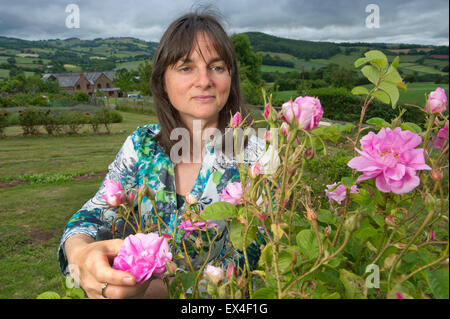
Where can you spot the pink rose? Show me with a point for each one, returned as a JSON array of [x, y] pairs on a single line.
[[143, 256], [231, 272], [437, 100], [188, 227], [392, 159], [232, 193], [441, 137], [215, 274], [191, 199], [114, 194], [305, 112], [339, 193], [284, 128], [255, 170], [237, 120], [267, 111]]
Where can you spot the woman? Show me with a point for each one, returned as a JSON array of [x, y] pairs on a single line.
[[195, 85]]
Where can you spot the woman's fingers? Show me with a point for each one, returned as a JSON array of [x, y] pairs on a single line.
[[125, 292]]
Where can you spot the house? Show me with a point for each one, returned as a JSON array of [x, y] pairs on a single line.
[[88, 82]]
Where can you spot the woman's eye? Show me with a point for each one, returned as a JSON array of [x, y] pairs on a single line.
[[185, 69], [218, 68]]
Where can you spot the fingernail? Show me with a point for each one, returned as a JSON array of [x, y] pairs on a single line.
[[128, 280]]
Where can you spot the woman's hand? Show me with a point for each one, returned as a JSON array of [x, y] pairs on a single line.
[[94, 260]]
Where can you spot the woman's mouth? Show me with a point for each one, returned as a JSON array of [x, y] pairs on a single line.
[[204, 98]]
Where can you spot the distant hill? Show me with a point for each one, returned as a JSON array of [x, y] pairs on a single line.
[[279, 55]]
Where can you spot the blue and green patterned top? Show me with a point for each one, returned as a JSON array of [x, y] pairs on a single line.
[[142, 157]]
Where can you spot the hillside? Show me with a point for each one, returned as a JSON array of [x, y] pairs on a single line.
[[72, 55], [279, 55]]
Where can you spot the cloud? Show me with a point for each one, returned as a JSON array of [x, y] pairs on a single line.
[[414, 21]]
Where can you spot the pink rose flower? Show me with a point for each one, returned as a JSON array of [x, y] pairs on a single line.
[[305, 112], [232, 193], [441, 137], [188, 227], [143, 256], [237, 120], [255, 170], [114, 194], [215, 274], [391, 158], [437, 100], [191, 199], [231, 272], [284, 128], [339, 194]]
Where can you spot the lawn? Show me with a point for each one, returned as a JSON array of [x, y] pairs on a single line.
[[33, 216]]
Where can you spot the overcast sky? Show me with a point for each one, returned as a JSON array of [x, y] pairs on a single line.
[[400, 21]]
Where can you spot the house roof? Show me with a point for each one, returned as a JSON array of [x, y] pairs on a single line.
[[70, 79]]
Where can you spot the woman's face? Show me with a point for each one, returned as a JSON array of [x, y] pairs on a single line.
[[198, 87]]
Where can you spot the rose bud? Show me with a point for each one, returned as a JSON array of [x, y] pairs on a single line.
[[214, 274], [191, 199], [437, 100], [237, 120]]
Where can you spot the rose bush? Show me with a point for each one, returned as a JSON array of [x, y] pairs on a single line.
[[383, 233]]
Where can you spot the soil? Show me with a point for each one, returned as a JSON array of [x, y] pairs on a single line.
[[82, 178]]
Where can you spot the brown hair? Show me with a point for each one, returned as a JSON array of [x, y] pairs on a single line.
[[178, 42]]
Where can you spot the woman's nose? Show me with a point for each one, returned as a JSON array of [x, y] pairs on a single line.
[[203, 78]]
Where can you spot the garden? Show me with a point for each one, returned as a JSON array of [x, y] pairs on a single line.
[[354, 210]]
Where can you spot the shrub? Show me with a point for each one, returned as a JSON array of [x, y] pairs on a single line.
[[81, 96], [38, 100], [107, 116], [74, 122], [339, 104], [4, 122], [30, 118]]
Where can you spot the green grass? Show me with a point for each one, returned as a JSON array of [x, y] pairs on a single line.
[[33, 216], [69, 154], [273, 68]]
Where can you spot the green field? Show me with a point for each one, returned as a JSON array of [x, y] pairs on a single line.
[[33, 216]]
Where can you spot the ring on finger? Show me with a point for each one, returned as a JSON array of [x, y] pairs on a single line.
[[103, 290]]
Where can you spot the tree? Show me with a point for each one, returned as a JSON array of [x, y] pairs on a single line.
[[145, 73], [124, 80], [249, 69], [249, 61]]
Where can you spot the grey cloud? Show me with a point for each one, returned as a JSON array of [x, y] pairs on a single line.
[[413, 21]]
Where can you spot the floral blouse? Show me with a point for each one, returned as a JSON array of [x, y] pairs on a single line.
[[141, 157]]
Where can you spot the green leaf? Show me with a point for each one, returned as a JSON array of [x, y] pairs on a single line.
[[284, 260], [411, 127], [76, 293], [359, 90], [371, 73], [438, 282], [236, 231], [306, 240], [347, 128], [326, 217], [355, 287], [348, 182], [264, 293], [266, 257], [392, 76], [187, 279], [395, 62], [49, 295], [378, 122], [378, 58], [361, 61], [381, 96], [219, 210], [392, 91]]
